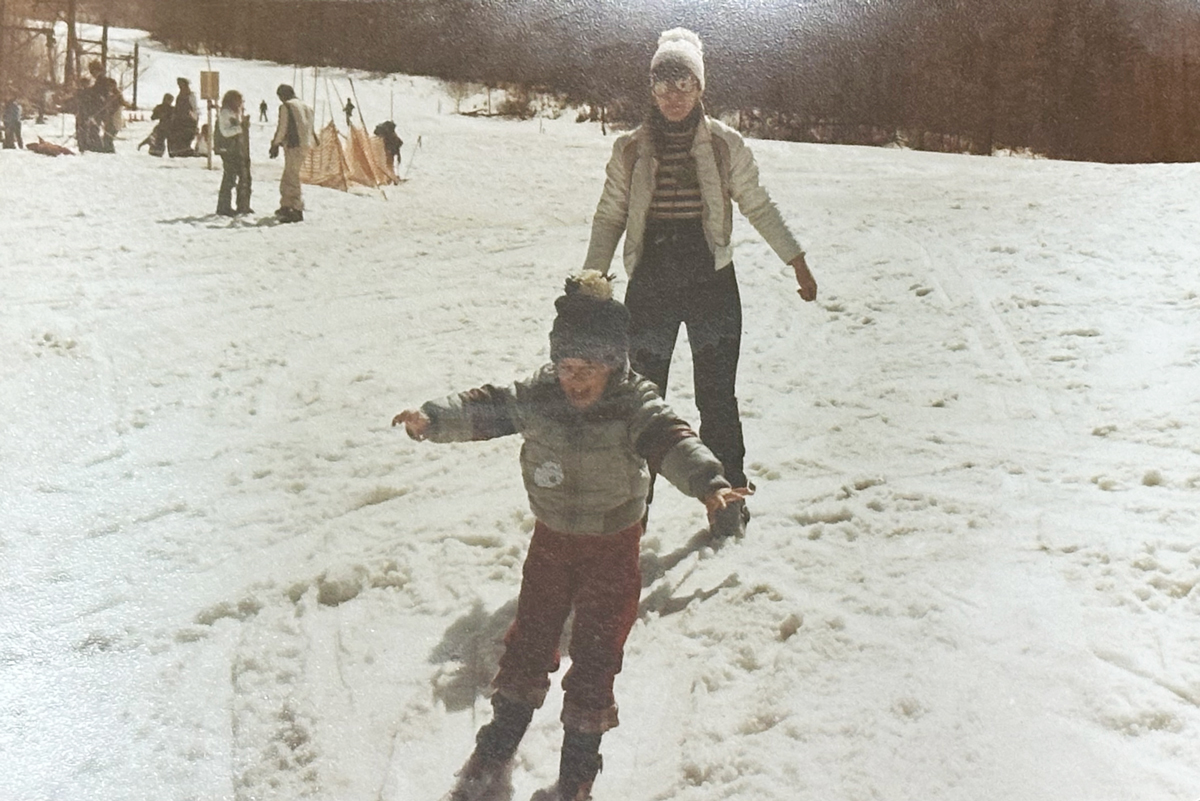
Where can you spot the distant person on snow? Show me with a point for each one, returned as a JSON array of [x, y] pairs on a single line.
[[592, 431], [157, 140], [670, 188], [349, 109], [12, 125], [98, 105], [185, 121], [262, 112], [86, 104], [202, 140], [391, 142], [106, 106], [294, 133], [231, 142]]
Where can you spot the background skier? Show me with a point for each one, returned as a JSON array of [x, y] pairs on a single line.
[[233, 146], [294, 134]]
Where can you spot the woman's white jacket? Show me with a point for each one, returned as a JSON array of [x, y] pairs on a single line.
[[727, 173]]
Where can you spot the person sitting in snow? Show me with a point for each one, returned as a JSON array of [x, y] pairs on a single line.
[[593, 429], [201, 148], [163, 112]]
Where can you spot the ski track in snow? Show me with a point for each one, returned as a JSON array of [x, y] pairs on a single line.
[[970, 573]]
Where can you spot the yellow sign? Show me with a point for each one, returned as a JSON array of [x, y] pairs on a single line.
[[210, 86]]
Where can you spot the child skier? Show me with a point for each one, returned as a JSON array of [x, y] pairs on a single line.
[[593, 430]]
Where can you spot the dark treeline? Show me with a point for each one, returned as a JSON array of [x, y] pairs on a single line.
[[118, 13], [1099, 80]]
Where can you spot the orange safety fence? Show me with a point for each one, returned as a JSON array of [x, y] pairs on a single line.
[[332, 164]]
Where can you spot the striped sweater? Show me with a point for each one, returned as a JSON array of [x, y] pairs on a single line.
[[677, 187]]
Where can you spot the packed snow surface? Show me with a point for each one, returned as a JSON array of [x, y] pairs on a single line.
[[971, 571]]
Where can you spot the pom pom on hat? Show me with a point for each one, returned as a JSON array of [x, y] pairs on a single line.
[[680, 46], [590, 323], [592, 283]]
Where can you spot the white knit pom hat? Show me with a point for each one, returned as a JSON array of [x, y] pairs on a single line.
[[680, 46]]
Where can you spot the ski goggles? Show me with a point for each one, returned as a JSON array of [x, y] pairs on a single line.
[[684, 85]]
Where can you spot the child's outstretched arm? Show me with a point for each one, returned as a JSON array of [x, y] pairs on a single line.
[[415, 422], [477, 414]]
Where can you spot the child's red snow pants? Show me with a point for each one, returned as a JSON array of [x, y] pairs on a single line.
[[600, 577]]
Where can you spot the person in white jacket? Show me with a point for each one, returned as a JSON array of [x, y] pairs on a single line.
[[670, 188], [294, 134], [231, 143]]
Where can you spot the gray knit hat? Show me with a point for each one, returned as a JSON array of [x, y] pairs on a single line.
[[590, 323]]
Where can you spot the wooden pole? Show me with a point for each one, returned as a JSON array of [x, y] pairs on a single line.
[[3, 49], [209, 104], [329, 103], [363, 120], [51, 56], [71, 62]]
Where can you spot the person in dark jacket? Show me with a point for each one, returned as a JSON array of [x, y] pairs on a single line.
[[87, 104], [592, 431], [157, 140], [98, 113], [12, 125], [185, 121], [392, 142]]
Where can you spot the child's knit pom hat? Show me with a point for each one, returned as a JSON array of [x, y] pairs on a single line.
[[680, 47], [590, 323]]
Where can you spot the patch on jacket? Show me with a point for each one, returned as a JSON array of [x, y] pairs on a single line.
[[548, 475]]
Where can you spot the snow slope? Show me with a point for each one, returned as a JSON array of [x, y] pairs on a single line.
[[971, 570]]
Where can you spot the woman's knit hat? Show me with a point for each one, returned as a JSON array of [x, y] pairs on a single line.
[[681, 47], [590, 323]]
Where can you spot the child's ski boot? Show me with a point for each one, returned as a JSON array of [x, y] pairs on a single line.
[[483, 779], [577, 769], [487, 776]]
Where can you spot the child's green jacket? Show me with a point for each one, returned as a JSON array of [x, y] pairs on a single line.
[[586, 472]]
